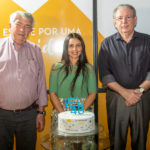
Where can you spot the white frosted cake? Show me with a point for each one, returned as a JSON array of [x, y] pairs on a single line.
[[76, 123]]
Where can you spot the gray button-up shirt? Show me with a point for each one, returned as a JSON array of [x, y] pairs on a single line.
[[126, 63]]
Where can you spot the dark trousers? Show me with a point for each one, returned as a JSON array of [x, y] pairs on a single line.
[[22, 125], [120, 117]]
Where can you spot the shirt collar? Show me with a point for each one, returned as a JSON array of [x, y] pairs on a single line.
[[118, 36], [12, 42]]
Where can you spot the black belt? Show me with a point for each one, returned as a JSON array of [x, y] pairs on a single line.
[[110, 90], [34, 105]]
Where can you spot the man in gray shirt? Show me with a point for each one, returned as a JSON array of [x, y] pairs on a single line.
[[124, 68], [22, 86]]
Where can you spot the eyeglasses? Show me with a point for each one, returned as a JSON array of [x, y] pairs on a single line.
[[128, 18], [21, 25]]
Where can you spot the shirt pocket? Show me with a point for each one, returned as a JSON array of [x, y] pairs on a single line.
[[33, 68]]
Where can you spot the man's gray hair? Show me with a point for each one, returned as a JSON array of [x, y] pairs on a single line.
[[26, 15], [124, 6]]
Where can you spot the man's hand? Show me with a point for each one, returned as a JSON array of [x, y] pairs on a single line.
[[132, 96], [40, 122]]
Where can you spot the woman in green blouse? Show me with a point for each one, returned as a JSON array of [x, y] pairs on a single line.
[[73, 77]]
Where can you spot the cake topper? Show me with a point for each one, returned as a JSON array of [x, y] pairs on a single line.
[[75, 105]]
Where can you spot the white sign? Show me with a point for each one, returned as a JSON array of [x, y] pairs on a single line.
[[30, 5]]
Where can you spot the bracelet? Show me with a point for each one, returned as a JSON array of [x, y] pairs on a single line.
[[41, 112]]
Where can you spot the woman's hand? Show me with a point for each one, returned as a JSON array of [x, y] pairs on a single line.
[[89, 100], [56, 102]]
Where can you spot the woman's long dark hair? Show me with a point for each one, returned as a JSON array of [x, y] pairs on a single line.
[[81, 61]]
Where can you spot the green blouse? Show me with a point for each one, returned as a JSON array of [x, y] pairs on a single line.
[[62, 88]]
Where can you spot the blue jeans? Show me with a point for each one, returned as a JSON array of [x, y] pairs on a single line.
[[22, 125]]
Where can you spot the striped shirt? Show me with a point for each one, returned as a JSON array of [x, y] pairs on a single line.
[[22, 75]]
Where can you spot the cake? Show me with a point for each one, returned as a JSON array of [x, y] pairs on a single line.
[[76, 123]]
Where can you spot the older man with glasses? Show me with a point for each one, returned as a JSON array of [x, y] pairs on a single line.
[[22, 86], [124, 68]]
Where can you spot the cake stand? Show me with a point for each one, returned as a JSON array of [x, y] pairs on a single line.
[[73, 141]]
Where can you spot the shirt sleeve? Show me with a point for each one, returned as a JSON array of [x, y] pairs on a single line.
[[42, 92], [148, 73], [105, 73], [91, 80], [148, 76], [53, 79]]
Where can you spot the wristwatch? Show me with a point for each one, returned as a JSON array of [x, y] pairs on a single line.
[[141, 89], [41, 112]]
